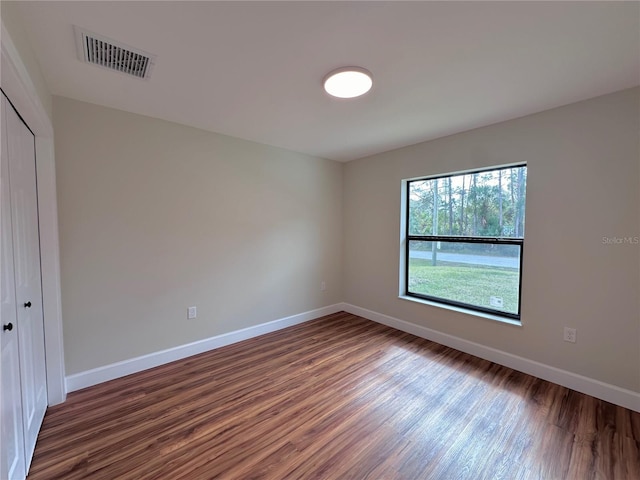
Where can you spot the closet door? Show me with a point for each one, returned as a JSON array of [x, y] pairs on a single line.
[[12, 458], [27, 274]]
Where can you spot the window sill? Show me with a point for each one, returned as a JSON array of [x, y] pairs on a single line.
[[466, 311]]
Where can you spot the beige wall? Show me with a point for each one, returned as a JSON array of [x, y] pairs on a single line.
[[12, 22], [583, 170], [156, 217]]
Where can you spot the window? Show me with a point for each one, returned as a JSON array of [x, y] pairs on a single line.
[[464, 239]]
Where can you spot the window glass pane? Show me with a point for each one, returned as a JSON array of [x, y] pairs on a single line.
[[483, 204], [477, 274]]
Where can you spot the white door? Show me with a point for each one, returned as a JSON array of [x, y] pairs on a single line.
[[12, 458], [27, 276]]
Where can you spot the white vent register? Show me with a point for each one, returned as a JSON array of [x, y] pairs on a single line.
[[107, 53]]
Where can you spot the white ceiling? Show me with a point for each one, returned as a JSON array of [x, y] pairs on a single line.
[[255, 70]]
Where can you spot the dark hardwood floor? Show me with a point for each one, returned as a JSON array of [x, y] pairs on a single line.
[[336, 398]]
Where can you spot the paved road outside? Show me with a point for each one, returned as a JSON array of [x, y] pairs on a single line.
[[509, 262]]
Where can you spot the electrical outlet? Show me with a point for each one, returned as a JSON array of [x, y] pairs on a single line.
[[192, 312], [323, 286], [570, 334]]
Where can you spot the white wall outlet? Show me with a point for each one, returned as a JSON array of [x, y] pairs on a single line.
[[323, 285], [192, 312], [570, 334]]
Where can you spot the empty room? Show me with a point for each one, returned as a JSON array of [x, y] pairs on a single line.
[[320, 240]]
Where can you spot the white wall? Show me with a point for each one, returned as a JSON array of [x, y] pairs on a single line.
[[583, 185], [12, 22], [155, 217]]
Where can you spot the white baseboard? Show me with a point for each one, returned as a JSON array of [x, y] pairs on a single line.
[[595, 388], [604, 391], [98, 375]]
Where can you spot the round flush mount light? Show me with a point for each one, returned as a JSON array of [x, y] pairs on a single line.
[[348, 82]]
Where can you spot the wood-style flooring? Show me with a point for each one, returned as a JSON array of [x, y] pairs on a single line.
[[339, 397]]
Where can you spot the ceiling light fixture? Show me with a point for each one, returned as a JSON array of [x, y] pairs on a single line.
[[348, 82]]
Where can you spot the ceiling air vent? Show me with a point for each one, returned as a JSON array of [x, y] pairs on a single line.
[[107, 53]]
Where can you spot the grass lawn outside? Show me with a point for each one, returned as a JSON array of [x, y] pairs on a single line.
[[471, 284]]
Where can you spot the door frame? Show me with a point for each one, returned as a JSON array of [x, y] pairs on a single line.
[[19, 88]]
